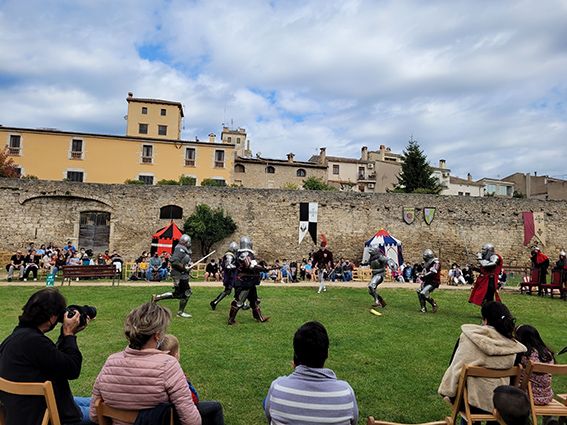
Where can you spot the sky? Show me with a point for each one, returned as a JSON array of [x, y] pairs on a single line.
[[479, 83]]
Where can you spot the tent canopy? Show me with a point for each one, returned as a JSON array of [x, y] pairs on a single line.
[[391, 246], [166, 238]]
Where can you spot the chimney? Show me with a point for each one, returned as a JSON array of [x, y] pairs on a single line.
[[323, 156], [442, 164], [130, 95], [364, 153], [469, 177], [290, 157], [212, 137]]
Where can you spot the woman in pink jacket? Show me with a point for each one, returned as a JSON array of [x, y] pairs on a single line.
[[142, 376]]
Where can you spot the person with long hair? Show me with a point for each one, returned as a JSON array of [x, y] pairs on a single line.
[[490, 345], [142, 376]]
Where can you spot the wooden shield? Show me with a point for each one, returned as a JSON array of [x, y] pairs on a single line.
[[408, 214], [429, 214]]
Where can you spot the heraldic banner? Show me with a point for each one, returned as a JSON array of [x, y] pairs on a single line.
[[534, 226], [308, 220]]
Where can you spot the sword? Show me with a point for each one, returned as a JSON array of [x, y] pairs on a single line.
[[201, 260]]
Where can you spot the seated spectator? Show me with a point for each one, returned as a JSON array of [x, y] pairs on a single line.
[[347, 271], [210, 411], [302, 269], [456, 275], [274, 272], [100, 261], [32, 265], [41, 251], [312, 393], [309, 274], [407, 273], [491, 345], [142, 376], [212, 271], [70, 248], [106, 256], [74, 259], [118, 262], [502, 278], [28, 355], [16, 263], [511, 405], [155, 272], [293, 271], [468, 274], [284, 271]]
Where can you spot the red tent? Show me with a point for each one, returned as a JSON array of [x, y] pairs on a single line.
[[165, 239]]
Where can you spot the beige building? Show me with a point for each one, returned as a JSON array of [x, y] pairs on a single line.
[[463, 187], [495, 187], [539, 187], [151, 151]]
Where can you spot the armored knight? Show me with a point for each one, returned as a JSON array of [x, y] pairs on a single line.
[[429, 279], [228, 266], [247, 279], [180, 262], [485, 288], [378, 263]]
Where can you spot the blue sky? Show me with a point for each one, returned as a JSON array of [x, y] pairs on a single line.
[[478, 83]]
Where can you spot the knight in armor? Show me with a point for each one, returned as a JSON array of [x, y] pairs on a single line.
[[181, 263], [378, 263], [429, 280], [485, 288], [247, 279], [323, 262], [228, 266]]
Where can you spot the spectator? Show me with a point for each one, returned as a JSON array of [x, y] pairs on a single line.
[[32, 265], [210, 411], [158, 376], [456, 275], [347, 271], [489, 345], [28, 355], [511, 405], [155, 272], [16, 263], [74, 259], [312, 392], [106, 257], [284, 271], [118, 262], [41, 251], [274, 272], [468, 274], [70, 248], [212, 271]]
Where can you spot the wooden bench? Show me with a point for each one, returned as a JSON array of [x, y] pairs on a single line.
[[76, 272]]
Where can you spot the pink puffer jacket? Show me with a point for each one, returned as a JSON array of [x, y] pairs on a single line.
[[141, 379]]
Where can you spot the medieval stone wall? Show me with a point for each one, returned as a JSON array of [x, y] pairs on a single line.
[[43, 211]]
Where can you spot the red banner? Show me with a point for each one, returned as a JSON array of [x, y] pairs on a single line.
[[529, 227]]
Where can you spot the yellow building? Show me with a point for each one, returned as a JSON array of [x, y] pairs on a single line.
[[151, 151]]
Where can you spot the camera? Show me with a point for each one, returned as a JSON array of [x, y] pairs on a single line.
[[85, 311]]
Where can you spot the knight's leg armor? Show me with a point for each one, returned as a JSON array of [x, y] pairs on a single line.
[[321, 281], [219, 298], [232, 313], [377, 279]]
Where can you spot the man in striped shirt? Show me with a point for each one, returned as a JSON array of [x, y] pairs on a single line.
[[312, 394]]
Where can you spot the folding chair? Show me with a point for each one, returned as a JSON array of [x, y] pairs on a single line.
[[105, 414], [528, 282], [555, 284], [44, 389], [372, 421], [557, 406], [461, 404]]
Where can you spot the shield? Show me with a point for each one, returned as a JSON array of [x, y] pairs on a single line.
[[408, 214], [429, 214]]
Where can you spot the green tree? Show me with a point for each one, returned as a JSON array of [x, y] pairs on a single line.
[[165, 182], [7, 166], [187, 181], [315, 183], [416, 175], [209, 226], [290, 186]]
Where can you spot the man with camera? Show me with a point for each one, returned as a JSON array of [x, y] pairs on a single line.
[[28, 355]]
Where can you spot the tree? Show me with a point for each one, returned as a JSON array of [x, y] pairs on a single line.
[[8, 167], [209, 226], [416, 175], [315, 183], [213, 183]]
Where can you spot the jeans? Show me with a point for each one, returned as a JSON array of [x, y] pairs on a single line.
[[347, 275], [83, 403], [211, 412]]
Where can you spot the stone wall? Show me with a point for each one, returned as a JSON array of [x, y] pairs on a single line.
[[43, 211]]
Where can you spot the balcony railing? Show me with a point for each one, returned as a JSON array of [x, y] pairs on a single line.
[[76, 155], [189, 162], [14, 151], [219, 164], [146, 159]]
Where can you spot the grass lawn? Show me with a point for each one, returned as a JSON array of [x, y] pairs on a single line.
[[393, 362]]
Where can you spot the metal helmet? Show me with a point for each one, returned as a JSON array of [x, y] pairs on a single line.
[[375, 250], [428, 255], [487, 250], [185, 240], [562, 253], [233, 247], [245, 242]]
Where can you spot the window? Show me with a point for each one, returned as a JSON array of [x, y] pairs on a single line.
[[76, 149], [238, 140], [144, 110], [370, 185], [143, 128], [361, 173], [190, 157], [18, 172], [460, 194], [162, 129], [147, 153], [15, 144], [219, 159], [171, 212], [239, 168], [467, 194], [75, 176], [270, 169], [335, 169], [229, 139], [146, 179], [163, 112], [301, 173]]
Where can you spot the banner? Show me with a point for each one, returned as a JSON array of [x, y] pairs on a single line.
[[308, 220], [534, 226]]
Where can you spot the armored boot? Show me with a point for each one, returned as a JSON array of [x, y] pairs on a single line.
[[181, 311], [433, 304], [217, 300], [164, 296], [423, 308], [257, 313], [232, 313], [381, 301]]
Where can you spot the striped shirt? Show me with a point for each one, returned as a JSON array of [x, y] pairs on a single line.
[[311, 396]]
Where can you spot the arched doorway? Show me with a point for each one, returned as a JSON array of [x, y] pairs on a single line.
[[94, 230]]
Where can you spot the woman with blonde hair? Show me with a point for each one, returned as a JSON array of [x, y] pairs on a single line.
[[142, 376]]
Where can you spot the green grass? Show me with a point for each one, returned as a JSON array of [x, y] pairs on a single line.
[[393, 362]]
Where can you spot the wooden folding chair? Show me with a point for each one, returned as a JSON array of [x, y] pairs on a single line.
[[555, 284], [44, 389], [372, 421], [461, 404], [557, 406], [106, 413], [528, 283]]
